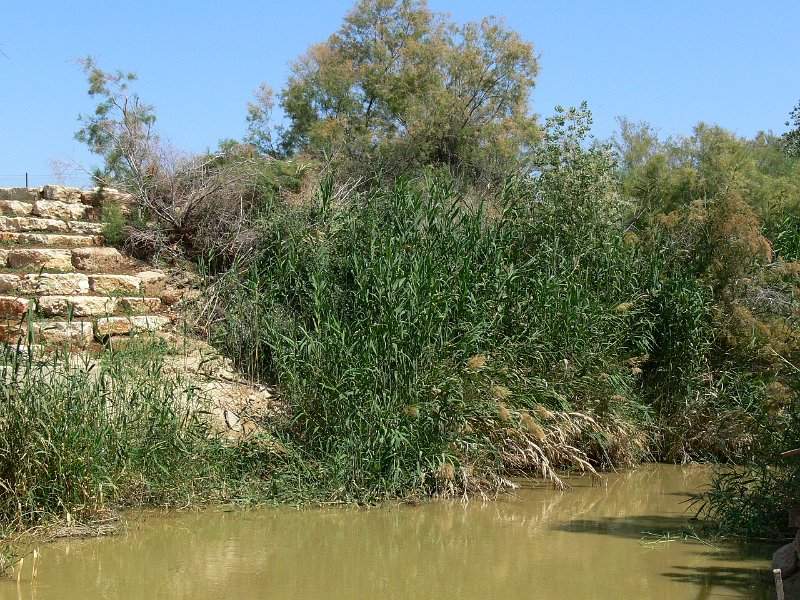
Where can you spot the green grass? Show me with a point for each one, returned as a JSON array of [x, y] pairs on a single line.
[[81, 435]]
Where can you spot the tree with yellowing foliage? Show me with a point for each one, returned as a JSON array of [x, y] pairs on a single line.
[[399, 86]]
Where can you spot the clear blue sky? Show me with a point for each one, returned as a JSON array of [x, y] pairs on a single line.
[[672, 63]]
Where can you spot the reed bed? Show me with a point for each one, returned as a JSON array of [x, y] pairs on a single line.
[[426, 341], [82, 435]]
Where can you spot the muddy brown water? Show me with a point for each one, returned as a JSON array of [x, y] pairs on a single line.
[[628, 538]]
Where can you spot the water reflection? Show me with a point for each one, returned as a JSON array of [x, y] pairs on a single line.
[[586, 542]]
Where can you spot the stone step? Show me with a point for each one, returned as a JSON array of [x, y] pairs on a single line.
[[112, 326], [86, 227], [58, 305], [78, 333], [48, 209], [19, 194], [28, 224], [50, 239], [20, 224], [78, 306], [15, 208], [138, 304], [37, 258], [145, 282], [54, 209], [100, 259], [13, 307], [45, 283], [92, 259], [114, 284]]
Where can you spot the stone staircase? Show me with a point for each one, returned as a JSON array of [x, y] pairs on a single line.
[[59, 282]]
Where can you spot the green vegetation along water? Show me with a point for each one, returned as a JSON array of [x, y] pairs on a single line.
[[626, 538]]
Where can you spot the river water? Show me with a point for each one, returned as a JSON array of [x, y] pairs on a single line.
[[627, 538]]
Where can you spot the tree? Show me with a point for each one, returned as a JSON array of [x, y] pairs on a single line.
[[121, 128], [184, 204], [259, 121], [791, 138], [399, 86]]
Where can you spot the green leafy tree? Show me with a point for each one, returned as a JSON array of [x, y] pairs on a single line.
[[121, 128], [399, 86], [259, 121], [791, 138]]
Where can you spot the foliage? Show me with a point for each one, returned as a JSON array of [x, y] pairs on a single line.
[[753, 499], [78, 438], [121, 128], [259, 121], [399, 86], [791, 139], [721, 211], [185, 205], [428, 342]]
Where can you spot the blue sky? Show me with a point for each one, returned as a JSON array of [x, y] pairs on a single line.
[[672, 63]]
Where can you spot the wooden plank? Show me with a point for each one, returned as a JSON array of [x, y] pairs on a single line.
[[794, 517], [788, 453]]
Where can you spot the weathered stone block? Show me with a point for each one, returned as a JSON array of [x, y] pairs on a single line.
[[109, 284], [40, 258], [125, 325], [97, 198], [140, 305], [19, 194], [54, 209], [153, 282], [3, 257], [58, 283], [97, 259], [11, 306], [20, 224], [61, 193], [74, 332], [9, 282], [86, 227], [51, 239], [15, 208], [79, 306]]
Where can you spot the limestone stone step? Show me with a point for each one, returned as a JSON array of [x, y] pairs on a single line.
[[20, 224], [111, 326], [81, 283], [37, 258], [45, 283], [78, 333], [99, 259], [63, 305], [54, 209], [51, 239], [13, 307], [86, 227], [62, 193], [29, 224], [78, 306], [19, 194], [111, 284], [15, 208], [134, 304]]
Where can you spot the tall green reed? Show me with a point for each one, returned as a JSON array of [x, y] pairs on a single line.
[[367, 312]]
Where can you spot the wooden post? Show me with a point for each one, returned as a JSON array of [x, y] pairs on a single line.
[[788, 453]]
